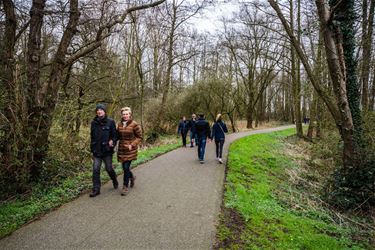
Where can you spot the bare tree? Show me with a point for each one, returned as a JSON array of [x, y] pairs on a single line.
[[29, 144]]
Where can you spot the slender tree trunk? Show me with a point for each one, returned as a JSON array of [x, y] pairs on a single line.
[[367, 30], [168, 77], [296, 74], [8, 105], [313, 119], [372, 100], [249, 117]]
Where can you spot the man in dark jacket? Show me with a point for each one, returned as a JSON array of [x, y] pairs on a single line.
[[203, 131], [103, 140], [183, 128]]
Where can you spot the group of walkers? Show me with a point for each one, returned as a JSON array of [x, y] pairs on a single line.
[[200, 131], [104, 137]]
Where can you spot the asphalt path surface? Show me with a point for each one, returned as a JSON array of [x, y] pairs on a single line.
[[174, 205]]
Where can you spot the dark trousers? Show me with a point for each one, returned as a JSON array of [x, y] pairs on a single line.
[[96, 170], [219, 148], [127, 173], [195, 137], [201, 148], [183, 135]]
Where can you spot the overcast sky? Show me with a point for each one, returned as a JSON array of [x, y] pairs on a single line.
[[210, 19]]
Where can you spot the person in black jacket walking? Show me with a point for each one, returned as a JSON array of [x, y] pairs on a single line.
[[193, 131], [203, 131], [218, 133], [103, 140], [183, 128]]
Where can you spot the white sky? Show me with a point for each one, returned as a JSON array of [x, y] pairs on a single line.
[[210, 19]]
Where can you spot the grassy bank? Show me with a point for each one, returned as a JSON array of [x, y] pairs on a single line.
[[259, 211], [27, 207]]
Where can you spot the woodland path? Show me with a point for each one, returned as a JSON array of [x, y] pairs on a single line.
[[174, 205]]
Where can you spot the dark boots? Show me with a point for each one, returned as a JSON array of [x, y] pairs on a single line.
[[132, 181], [94, 193], [115, 184]]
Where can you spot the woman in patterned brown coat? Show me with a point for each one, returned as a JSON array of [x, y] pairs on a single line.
[[129, 136]]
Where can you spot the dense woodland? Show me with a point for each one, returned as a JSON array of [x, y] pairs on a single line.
[[272, 60]]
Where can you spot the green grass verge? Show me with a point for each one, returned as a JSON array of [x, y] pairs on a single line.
[[254, 217], [23, 209]]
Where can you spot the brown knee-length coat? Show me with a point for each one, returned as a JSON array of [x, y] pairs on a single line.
[[129, 134]]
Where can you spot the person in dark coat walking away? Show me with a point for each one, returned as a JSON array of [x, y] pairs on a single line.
[[203, 132], [218, 134], [193, 131], [103, 140], [130, 136], [183, 128]]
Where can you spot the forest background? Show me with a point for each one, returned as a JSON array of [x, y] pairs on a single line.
[[267, 61]]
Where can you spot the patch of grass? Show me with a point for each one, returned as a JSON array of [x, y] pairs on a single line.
[[255, 180], [42, 199]]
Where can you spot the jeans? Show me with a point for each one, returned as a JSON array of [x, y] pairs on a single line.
[[96, 171], [193, 136], [127, 173], [219, 148], [201, 148]]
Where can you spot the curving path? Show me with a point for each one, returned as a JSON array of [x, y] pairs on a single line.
[[174, 205]]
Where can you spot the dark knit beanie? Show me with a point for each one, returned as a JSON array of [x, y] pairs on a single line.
[[100, 106]]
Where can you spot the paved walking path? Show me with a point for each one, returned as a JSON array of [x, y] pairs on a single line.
[[174, 205]]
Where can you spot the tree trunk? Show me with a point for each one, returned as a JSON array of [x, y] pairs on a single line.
[[336, 64], [367, 30], [372, 100], [296, 75], [8, 105], [42, 98], [249, 117], [313, 119], [168, 77]]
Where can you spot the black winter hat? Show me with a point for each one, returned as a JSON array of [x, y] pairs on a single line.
[[100, 106]]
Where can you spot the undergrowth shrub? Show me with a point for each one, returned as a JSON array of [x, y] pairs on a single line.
[[354, 187]]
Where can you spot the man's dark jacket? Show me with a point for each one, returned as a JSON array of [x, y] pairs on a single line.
[[183, 127], [102, 131], [203, 128], [192, 126]]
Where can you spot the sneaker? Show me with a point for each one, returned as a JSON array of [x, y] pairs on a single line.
[[132, 181], [124, 191], [201, 161], [94, 193], [192, 146], [221, 161]]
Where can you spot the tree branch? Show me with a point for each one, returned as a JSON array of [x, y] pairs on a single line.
[[100, 37]]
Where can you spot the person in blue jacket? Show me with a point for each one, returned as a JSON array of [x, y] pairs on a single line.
[[183, 128], [203, 131], [103, 140], [218, 133]]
